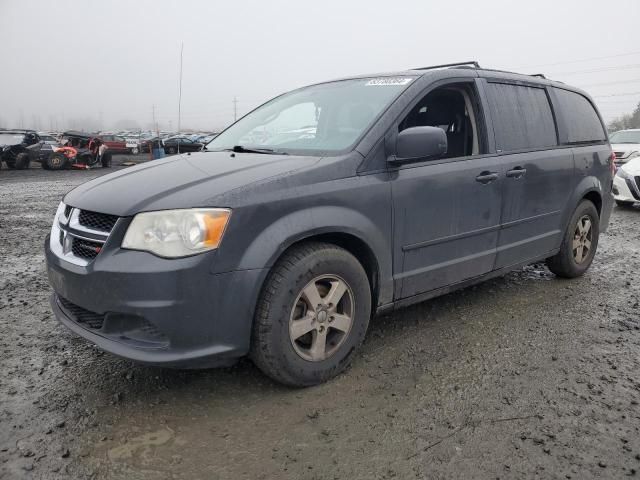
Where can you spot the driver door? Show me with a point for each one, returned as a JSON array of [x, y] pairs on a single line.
[[446, 211]]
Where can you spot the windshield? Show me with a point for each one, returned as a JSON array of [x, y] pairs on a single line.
[[11, 138], [625, 136], [328, 117]]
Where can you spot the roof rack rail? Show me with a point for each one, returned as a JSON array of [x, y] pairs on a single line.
[[541, 75], [472, 63]]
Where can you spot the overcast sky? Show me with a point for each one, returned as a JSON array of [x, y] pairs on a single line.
[[67, 63]]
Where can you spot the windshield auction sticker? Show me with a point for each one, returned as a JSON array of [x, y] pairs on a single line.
[[384, 81]]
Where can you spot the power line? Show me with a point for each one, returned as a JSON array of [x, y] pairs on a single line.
[[595, 70], [618, 94], [633, 80], [581, 60]]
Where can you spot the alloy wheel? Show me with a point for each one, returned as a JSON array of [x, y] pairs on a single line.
[[582, 237], [321, 318]]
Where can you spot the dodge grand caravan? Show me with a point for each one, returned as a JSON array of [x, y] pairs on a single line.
[[325, 206]]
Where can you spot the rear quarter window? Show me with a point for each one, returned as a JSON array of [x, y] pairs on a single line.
[[522, 117], [582, 121]]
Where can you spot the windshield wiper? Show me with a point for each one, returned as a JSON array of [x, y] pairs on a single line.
[[266, 151]]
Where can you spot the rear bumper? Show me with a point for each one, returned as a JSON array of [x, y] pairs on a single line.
[[172, 313]]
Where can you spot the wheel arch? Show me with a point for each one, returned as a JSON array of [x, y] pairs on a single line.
[[355, 233]]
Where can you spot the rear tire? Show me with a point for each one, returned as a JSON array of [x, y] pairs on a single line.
[[106, 160], [579, 243], [311, 316], [23, 160], [624, 204], [56, 161]]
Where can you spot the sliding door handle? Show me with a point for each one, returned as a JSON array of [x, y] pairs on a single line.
[[487, 177], [517, 172]]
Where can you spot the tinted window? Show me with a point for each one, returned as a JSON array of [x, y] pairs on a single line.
[[583, 124], [522, 117]]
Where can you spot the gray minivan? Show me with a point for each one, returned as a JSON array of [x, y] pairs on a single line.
[[325, 206]]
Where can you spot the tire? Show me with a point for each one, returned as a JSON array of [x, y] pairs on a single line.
[[289, 356], [624, 204], [135, 151], [23, 160], [11, 162], [171, 150], [56, 161], [106, 160], [566, 262]]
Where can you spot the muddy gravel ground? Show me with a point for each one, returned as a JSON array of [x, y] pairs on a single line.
[[520, 377]]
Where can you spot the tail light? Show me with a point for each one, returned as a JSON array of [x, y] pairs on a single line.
[[612, 163]]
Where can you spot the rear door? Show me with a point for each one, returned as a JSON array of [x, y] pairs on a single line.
[[447, 211], [539, 175]]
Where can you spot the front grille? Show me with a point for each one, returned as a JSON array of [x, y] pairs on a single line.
[[632, 187], [619, 154], [85, 249], [82, 316], [97, 221]]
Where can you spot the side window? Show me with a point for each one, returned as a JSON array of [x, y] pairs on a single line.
[[583, 124], [454, 108], [522, 117]]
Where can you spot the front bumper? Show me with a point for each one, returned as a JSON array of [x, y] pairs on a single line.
[[172, 313], [625, 190]]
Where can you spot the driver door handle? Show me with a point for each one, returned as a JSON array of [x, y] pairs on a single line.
[[517, 172], [487, 177]]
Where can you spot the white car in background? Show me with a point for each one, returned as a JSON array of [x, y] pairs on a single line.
[[626, 183], [626, 145]]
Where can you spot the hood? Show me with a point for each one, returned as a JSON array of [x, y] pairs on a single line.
[[183, 181], [632, 167], [623, 150]]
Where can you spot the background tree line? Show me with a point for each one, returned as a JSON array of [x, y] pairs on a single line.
[[630, 120]]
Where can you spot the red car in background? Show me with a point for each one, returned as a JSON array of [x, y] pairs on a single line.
[[118, 144]]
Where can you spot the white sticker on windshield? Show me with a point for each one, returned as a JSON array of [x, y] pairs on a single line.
[[384, 81]]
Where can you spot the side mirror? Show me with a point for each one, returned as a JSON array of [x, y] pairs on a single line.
[[420, 143]]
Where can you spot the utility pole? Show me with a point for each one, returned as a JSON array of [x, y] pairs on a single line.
[[235, 109], [180, 90]]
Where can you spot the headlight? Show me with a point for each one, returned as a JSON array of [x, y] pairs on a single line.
[[177, 233], [623, 174]]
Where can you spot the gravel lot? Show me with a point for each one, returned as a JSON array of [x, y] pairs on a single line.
[[523, 376]]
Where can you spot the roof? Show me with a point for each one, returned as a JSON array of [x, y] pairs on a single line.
[[74, 133]]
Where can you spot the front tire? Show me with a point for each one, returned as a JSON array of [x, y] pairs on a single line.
[[579, 244], [135, 151], [311, 316]]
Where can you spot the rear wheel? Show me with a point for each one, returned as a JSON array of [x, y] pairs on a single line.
[[172, 150], [106, 160], [579, 243], [10, 161], [23, 160], [56, 161], [135, 151], [312, 315]]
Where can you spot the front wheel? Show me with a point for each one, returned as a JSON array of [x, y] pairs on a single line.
[[135, 151], [579, 243], [312, 315], [56, 161]]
